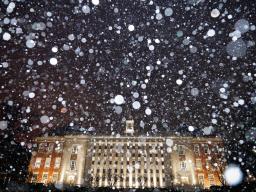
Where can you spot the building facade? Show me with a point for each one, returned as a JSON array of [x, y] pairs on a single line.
[[127, 161]]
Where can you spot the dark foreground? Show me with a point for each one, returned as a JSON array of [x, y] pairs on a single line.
[[245, 187]]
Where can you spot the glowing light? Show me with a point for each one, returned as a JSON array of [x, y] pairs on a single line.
[[233, 175]]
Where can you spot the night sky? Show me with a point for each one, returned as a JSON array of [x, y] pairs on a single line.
[[175, 63]]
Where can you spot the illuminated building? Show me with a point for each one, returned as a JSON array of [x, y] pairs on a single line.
[[127, 161]]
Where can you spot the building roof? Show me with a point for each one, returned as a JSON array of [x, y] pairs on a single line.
[[183, 138]]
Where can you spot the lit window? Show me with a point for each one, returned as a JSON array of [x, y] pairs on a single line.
[[183, 165], [197, 149], [57, 162], [34, 177], [208, 164], [216, 150], [41, 146], [55, 177], [59, 148], [45, 177], [206, 149], [201, 179], [211, 179], [74, 149], [38, 162], [198, 163], [180, 150], [72, 165], [47, 162], [50, 147]]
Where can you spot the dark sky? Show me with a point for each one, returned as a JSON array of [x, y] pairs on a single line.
[[187, 62]]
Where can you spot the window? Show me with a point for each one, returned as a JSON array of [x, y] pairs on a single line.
[[198, 163], [183, 165], [197, 149], [55, 176], [72, 165], [57, 162], [59, 148], [42, 145], [180, 150], [47, 162], [211, 179], [129, 124], [50, 147], [201, 179], [74, 149], [208, 163], [38, 162], [34, 177], [215, 150], [206, 149], [45, 177]]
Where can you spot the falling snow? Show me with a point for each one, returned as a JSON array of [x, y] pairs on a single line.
[[233, 175], [183, 68], [119, 99]]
